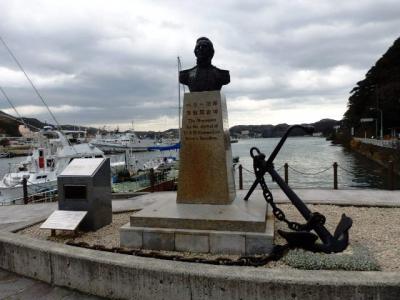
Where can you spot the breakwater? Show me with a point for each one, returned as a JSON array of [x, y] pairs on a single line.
[[384, 156]]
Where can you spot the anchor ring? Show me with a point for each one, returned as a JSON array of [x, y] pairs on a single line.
[[254, 149]]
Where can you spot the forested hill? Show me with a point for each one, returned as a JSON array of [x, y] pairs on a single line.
[[9, 125], [379, 89], [325, 126]]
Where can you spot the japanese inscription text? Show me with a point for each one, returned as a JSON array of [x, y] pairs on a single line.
[[202, 120]]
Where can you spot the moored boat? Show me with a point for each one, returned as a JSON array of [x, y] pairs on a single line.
[[51, 156]]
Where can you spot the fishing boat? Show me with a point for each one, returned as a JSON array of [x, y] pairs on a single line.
[[5, 155], [118, 142], [49, 158]]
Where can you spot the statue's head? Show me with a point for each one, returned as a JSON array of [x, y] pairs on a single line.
[[204, 51]]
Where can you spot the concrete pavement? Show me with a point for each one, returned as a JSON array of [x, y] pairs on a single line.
[[13, 287]]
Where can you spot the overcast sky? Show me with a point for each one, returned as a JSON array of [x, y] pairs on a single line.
[[113, 62]]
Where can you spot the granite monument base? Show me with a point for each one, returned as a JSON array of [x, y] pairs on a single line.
[[205, 158], [243, 227]]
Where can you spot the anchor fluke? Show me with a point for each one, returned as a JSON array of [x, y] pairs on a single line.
[[299, 239], [308, 241]]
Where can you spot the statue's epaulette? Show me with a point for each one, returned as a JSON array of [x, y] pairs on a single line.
[[184, 75], [223, 76]]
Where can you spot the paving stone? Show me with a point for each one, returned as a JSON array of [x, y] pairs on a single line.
[[226, 242], [16, 287], [158, 239], [131, 237], [192, 242], [258, 243]]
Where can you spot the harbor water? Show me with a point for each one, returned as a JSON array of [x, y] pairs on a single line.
[[310, 161]]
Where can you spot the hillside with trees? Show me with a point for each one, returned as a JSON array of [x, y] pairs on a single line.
[[379, 90], [325, 126], [9, 125]]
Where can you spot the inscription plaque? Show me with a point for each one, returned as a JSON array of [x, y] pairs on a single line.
[[64, 220], [72, 192]]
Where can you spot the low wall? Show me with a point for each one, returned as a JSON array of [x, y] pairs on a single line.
[[381, 155], [128, 277]]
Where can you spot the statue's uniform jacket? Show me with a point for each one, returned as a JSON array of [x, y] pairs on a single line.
[[200, 79]]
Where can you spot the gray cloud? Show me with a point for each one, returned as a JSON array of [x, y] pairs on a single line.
[[120, 57]]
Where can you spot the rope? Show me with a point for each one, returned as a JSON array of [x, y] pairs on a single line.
[[247, 170], [36, 91], [12, 105], [310, 174], [20, 121], [30, 81], [252, 172]]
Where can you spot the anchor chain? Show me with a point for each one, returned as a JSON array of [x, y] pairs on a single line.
[[316, 218], [278, 213], [249, 260]]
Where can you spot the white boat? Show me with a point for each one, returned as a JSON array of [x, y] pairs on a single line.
[[122, 142], [166, 160], [76, 136], [161, 163], [48, 160], [4, 155]]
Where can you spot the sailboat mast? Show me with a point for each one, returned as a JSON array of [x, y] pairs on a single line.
[[179, 100]]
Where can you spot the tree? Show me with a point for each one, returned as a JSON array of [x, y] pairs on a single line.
[[380, 89]]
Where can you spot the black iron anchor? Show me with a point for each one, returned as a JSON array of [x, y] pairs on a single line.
[[301, 236]]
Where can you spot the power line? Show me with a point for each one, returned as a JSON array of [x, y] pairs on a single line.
[[12, 105], [17, 120], [36, 91], [30, 81]]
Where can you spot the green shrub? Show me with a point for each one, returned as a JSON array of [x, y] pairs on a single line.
[[357, 258]]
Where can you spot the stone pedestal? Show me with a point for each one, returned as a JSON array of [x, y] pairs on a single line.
[[205, 166], [242, 227], [206, 216]]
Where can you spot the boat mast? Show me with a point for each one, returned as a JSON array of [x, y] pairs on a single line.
[[179, 98]]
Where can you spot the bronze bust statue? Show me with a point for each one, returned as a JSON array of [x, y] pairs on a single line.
[[204, 76]]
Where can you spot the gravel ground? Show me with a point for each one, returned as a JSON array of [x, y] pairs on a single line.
[[375, 229]]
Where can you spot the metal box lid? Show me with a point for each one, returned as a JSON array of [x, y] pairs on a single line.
[[82, 167]]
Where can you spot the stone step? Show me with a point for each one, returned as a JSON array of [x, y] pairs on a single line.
[[203, 241]]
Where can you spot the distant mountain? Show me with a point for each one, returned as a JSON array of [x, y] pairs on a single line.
[[325, 126], [9, 125]]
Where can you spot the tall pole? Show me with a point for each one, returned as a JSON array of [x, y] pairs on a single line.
[[179, 100]]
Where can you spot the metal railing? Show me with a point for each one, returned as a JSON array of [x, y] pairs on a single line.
[[45, 196], [393, 144], [148, 180], [333, 168]]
